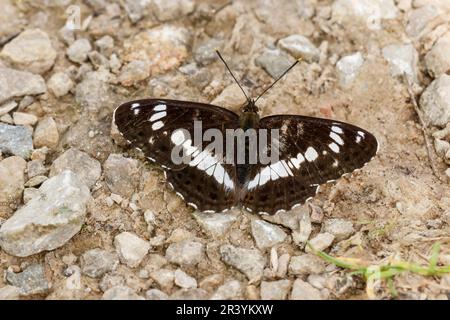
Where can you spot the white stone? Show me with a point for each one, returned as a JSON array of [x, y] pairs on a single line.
[[78, 51], [121, 293], [249, 261], [131, 248], [306, 264], [403, 59], [172, 9], [348, 68], [48, 221], [300, 47], [370, 12], [30, 51], [340, 228], [60, 84], [186, 253], [216, 224], [435, 101], [275, 290], [320, 242], [267, 235], [302, 290], [229, 290], [437, 59], [24, 119], [183, 280], [14, 83]]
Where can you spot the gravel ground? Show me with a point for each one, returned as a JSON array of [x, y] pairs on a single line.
[[84, 217]]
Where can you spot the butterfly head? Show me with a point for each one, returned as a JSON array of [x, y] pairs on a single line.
[[250, 106]]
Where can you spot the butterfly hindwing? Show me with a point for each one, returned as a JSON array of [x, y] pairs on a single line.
[[312, 151]]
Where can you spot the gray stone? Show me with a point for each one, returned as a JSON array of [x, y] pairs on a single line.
[[30, 281], [267, 235], [131, 248], [121, 174], [183, 280], [172, 9], [35, 168], [121, 293], [15, 83], [186, 252], [230, 290], [30, 51], [419, 18], [435, 102], [403, 59], [46, 134], [16, 140], [96, 262], [78, 51], [215, 224], [340, 228], [437, 59], [105, 45], [348, 68], [93, 92], [9, 293], [87, 169], [300, 47], [11, 180], [48, 221], [321, 242], [248, 261], [155, 294], [274, 62], [60, 84], [11, 20], [275, 290], [136, 9], [302, 235], [205, 53], [190, 294], [134, 72], [302, 290], [306, 264]]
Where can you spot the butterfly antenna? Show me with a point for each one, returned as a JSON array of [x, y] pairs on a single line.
[[273, 83], [229, 70]]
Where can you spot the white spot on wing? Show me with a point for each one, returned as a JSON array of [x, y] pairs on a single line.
[[157, 116], [135, 105], [157, 125], [311, 154], [177, 137], [358, 139], [362, 134], [334, 147], [160, 107], [136, 111], [337, 129], [336, 138]]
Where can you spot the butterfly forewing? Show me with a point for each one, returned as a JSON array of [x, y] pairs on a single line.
[[205, 181], [312, 151]]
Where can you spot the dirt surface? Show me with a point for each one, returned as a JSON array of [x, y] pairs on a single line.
[[397, 206]]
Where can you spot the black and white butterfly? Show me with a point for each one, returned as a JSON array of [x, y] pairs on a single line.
[[312, 151]]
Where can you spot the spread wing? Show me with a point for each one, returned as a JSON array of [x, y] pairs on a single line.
[[157, 127], [312, 151]]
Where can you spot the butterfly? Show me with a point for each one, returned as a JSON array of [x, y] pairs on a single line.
[[311, 152]]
